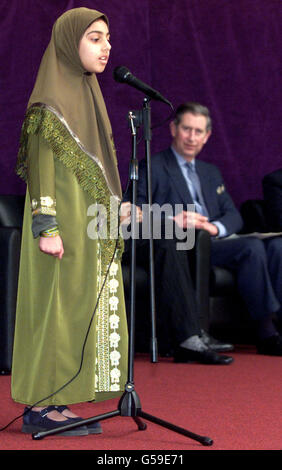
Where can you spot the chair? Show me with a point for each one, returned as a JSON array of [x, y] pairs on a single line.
[[272, 194], [253, 212], [11, 215]]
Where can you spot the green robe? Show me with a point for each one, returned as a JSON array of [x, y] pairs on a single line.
[[55, 341]]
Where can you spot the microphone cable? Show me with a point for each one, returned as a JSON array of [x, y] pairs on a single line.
[[164, 121]]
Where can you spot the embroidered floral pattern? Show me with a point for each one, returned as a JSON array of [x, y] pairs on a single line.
[[108, 372]]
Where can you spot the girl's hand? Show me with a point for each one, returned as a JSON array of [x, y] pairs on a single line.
[[125, 213], [52, 246]]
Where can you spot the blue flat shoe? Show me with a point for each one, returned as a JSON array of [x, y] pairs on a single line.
[[36, 421], [93, 428]]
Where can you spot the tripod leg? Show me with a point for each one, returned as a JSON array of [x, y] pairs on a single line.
[[141, 425], [206, 441]]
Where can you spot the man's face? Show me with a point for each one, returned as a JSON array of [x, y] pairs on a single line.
[[190, 135]]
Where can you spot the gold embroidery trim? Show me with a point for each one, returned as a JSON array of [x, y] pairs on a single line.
[[44, 210], [46, 206]]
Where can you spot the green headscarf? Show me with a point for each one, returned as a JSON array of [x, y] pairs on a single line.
[[75, 96]]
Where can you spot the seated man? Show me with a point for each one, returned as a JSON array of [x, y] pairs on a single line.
[[179, 179]]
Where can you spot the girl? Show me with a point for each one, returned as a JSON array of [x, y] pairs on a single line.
[[71, 334]]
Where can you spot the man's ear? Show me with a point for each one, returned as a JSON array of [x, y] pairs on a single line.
[[172, 127], [208, 134]]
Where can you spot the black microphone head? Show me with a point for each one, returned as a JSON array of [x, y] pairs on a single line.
[[121, 73]]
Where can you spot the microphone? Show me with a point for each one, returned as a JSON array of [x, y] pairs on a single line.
[[123, 75]]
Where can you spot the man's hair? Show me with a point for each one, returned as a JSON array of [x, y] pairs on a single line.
[[193, 108]]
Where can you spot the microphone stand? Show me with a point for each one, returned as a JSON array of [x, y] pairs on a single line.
[[148, 138], [129, 404]]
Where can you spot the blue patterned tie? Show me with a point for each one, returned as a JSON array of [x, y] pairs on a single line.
[[197, 191]]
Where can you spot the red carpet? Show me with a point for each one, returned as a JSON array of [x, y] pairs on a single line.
[[238, 406]]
